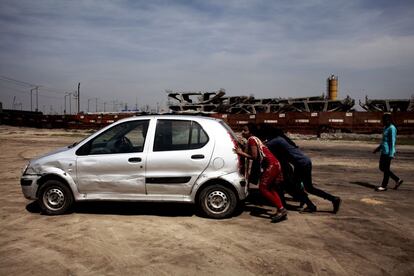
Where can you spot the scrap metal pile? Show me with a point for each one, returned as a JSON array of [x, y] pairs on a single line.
[[216, 102], [388, 105]]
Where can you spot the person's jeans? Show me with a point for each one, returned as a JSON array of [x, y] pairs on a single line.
[[304, 174], [385, 166]]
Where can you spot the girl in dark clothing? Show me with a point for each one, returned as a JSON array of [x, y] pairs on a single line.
[[284, 147], [271, 172]]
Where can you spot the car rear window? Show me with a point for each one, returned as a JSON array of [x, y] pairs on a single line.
[[230, 132], [179, 135]]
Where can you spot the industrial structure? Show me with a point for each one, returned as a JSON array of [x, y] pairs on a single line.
[[185, 102], [388, 105]]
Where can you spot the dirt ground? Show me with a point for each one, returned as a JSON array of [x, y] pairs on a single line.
[[371, 235]]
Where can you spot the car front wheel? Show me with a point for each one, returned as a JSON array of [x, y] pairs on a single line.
[[218, 201], [55, 198]]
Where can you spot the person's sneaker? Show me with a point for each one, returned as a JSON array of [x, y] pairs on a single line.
[[308, 209], [398, 184], [380, 189], [279, 216], [336, 204]]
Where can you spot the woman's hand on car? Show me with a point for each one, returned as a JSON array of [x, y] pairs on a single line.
[[238, 150]]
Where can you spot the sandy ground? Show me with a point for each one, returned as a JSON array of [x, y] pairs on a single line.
[[371, 235]]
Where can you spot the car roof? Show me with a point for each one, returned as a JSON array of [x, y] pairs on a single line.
[[168, 116]]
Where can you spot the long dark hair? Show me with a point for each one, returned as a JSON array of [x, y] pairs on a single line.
[[268, 133], [253, 129], [387, 117]]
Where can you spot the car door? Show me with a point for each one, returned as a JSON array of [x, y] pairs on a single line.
[[180, 153], [114, 161]]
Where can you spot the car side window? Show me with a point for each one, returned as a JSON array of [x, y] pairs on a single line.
[[127, 137], [179, 135]]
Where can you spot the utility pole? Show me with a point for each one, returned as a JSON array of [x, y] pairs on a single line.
[[37, 98], [67, 94], [70, 102], [104, 106], [75, 97], [78, 97], [88, 103], [31, 99], [96, 104]]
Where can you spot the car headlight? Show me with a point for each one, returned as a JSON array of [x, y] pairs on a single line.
[[28, 169], [25, 168]]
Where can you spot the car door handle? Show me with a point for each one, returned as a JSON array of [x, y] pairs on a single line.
[[197, 156], [134, 159]]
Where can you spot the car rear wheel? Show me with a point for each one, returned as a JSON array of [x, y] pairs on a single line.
[[55, 198], [218, 201]]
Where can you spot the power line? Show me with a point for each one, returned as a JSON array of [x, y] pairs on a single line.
[[7, 81], [17, 81], [49, 97], [42, 87], [53, 90], [26, 92], [13, 88], [31, 85]]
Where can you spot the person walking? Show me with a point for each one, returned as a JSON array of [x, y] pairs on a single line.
[[271, 172], [387, 149], [282, 145]]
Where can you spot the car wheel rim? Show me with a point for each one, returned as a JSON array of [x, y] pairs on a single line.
[[54, 199], [217, 202]]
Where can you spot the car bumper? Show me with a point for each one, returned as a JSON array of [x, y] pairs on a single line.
[[29, 186], [239, 182]]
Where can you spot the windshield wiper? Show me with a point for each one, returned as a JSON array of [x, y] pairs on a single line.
[[74, 144]]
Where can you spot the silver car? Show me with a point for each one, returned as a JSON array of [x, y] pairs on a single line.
[[165, 158]]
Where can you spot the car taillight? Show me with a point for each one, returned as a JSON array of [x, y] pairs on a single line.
[[239, 158], [235, 143]]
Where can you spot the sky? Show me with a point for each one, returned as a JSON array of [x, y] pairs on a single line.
[[131, 52]]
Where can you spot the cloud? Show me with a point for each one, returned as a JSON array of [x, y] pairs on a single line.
[[244, 46]]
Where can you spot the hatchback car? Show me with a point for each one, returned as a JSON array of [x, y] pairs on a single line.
[[164, 158]]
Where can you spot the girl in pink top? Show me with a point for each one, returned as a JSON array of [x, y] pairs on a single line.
[[271, 171]]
